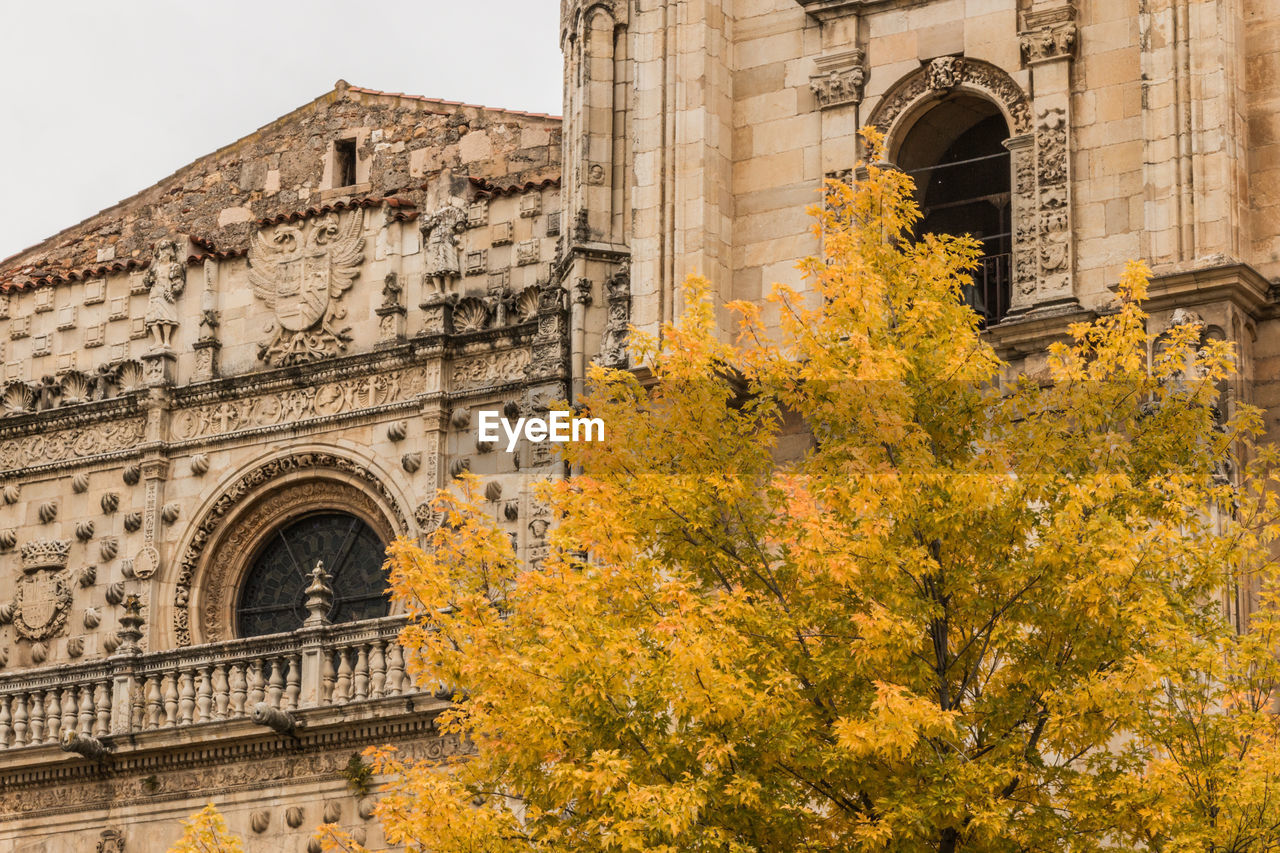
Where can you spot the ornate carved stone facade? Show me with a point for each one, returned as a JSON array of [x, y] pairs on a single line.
[[247, 342]]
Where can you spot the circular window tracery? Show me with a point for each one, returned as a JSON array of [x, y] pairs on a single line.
[[272, 596]]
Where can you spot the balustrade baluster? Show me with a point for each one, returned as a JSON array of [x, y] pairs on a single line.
[[275, 687], [395, 669], [68, 708], [186, 697], [204, 695], [377, 671], [52, 715], [35, 726], [169, 692], [154, 703], [221, 698], [293, 683], [238, 687], [20, 719], [342, 691], [257, 681], [362, 672], [102, 709], [86, 710], [137, 704], [327, 676], [6, 723]]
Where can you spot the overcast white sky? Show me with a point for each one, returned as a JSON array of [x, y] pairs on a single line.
[[101, 99]]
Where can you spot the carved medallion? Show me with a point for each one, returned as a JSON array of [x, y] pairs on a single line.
[[301, 272]]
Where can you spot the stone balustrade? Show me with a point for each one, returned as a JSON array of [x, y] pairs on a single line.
[[330, 665]]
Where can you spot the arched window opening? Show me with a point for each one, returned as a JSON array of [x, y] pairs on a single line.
[[956, 154], [272, 595]]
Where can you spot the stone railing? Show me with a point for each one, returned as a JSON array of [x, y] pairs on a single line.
[[265, 679]]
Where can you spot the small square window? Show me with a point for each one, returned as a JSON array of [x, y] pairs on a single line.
[[344, 162]]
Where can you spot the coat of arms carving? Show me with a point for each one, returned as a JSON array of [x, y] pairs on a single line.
[[43, 597], [301, 271]]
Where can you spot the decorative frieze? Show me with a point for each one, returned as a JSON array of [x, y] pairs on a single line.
[[296, 404], [491, 369], [63, 445]]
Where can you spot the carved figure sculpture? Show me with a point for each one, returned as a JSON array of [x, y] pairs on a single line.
[[165, 279], [301, 272], [440, 230]]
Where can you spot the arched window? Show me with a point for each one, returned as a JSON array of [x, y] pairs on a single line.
[[272, 595], [956, 154]]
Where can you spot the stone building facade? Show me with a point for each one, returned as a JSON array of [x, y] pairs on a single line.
[[282, 346]]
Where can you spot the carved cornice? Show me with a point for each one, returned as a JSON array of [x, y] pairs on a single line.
[[165, 765], [1226, 280], [1047, 43]]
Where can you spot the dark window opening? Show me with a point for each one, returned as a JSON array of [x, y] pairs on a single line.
[[344, 163], [272, 596], [956, 155]]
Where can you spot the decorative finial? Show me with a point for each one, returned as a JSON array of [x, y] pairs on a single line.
[[319, 596]]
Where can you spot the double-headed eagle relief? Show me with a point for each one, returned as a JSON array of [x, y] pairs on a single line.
[[301, 271]]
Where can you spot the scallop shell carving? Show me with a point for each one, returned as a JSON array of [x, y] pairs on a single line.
[[332, 811], [19, 397], [293, 816], [11, 493], [170, 512], [75, 646], [110, 502], [526, 307], [126, 568], [460, 418], [314, 846], [110, 643], [459, 466], [48, 511], [511, 511], [115, 593], [132, 521], [511, 410], [91, 618], [411, 462], [39, 652], [364, 807], [8, 539], [199, 464], [470, 315], [88, 576], [358, 835], [6, 612], [397, 430], [108, 548], [484, 446], [76, 387], [131, 475], [84, 531], [130, 376], [260, 820], [80, 483], [493, 491]]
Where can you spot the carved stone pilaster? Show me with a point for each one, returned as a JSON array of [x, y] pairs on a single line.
[[1026, 263], [613, 343], [839, 79]]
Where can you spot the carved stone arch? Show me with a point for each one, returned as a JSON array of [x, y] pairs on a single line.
[[256, 501], [942, 76], [1039, 145]]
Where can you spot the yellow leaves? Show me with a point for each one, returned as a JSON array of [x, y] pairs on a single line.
[[895, 725], [206, 832]]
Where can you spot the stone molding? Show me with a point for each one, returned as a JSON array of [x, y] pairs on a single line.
[[945, 74]]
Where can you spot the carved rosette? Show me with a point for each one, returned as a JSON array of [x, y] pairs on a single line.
[[839, 79]]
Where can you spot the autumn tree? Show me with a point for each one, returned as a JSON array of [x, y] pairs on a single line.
[[847, 585], [206, 832]]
